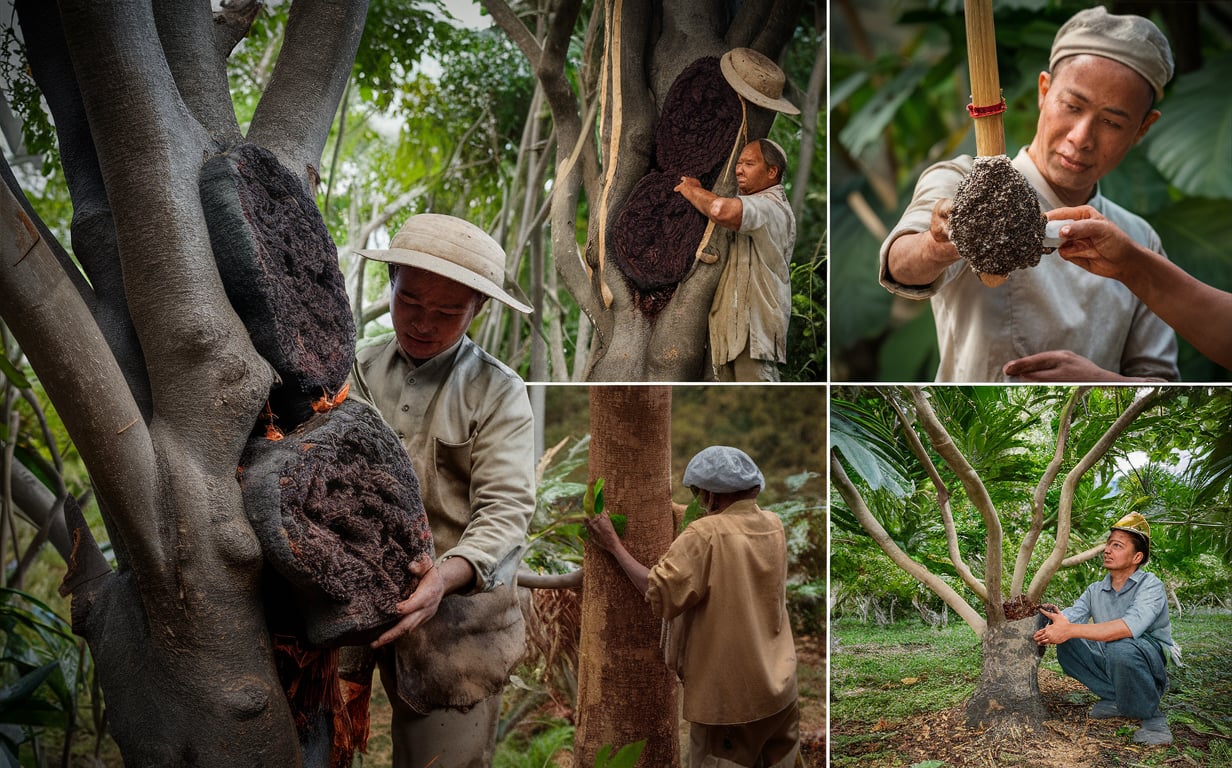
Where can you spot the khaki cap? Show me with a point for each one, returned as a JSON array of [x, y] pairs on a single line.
[[452, 248], [1128, 39], [758, 79]]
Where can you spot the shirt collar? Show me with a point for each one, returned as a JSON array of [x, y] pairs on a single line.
[[445, 358], [1133, 579]]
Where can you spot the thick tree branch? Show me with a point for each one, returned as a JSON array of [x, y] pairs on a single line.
[[859, 508], [297, 109], [197, 66], [1065, 506], [1081, 557], [1040, 496], [38, 302], [232, 22], [943, 500], [944, 445], [93, 228]]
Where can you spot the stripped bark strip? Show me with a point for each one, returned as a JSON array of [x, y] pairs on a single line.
[[741, 139], [611, 65]]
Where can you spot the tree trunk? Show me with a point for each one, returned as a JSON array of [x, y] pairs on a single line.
[[626, 693], [1009, 678]]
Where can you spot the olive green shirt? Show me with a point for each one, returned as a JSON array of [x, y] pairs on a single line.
[[465, 420]]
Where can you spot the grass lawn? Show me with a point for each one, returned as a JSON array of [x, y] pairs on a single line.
[[897, 693]]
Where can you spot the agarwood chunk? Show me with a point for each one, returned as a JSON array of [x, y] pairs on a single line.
[[335, 505], [279, 267], [996, 223]]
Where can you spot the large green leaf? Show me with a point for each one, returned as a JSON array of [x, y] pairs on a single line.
[[866, 458], [1192, 143]]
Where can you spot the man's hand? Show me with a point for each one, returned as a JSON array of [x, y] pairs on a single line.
[[1096, 244], [939, 226], [1058, 365], [422, 603], [602, 533], [686, 182], [1055, 633]]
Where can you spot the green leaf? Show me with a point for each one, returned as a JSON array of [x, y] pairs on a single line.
[[625, 757], [592, 502], [1192, 143], [691, 512], [620, 522], [15, 376]]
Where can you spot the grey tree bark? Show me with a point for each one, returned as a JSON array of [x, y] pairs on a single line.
[[149, 367]]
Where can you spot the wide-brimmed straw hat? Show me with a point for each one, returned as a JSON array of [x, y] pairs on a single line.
[[758, 79], [453, 248]]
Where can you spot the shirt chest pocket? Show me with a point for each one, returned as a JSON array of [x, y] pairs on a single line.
[[449, 487]]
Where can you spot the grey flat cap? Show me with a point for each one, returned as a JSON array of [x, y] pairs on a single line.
[[723, 469], [1131, 40]]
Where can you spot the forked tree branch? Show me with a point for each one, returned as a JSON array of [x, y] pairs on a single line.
[[859, 508]]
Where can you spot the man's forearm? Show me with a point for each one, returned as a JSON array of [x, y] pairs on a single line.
[[1104, 632], [918, 259], [638, 574], [1198, 312]]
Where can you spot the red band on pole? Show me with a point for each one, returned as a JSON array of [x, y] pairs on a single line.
[[989, 111]]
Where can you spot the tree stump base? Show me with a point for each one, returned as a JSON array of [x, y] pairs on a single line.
[[1008, 690]]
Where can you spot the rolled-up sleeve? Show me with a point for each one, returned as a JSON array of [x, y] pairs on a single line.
[[937, 182]]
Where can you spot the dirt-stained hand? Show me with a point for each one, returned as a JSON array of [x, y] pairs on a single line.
[[422, 603]]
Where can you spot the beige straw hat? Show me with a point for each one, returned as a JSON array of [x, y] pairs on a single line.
[[758, 79], [452, 248]]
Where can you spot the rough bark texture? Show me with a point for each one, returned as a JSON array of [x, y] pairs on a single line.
[[625, 692], [336, 507], [1009, 678], [657, 232], [148, 365]]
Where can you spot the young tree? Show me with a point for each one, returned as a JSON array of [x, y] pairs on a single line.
[[633, 52], [147, 363], [982, 450], [626, 693]]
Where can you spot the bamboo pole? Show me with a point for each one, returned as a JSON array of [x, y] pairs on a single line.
[[987, 104]]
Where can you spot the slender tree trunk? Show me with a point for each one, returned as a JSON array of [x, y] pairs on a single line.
[[626, 693]]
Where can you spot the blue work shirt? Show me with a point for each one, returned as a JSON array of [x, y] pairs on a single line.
[[1142, 603]]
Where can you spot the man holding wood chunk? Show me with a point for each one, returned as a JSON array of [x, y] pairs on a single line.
[[722, 583], [1055, 321], [752, 303], [465, 420], [1117, 638]]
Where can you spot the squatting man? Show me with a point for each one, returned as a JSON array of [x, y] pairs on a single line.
[[1116, 638]]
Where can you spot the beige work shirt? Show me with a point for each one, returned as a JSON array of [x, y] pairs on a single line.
[[752, 303], [725, 577], [465, 420], [1055, 305]]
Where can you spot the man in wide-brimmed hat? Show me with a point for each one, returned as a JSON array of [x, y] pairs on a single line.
[[722, 583], [465, 419], [1117, 638], [752, 304]]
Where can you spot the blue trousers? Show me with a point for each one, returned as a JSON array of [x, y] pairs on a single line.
[[1129, 672]]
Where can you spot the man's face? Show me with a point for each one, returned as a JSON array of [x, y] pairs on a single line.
[[752, 173], [1092, 111], [430, 313], [1119, 552]]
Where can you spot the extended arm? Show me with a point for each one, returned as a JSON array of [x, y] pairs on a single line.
[[1198, 312], [1062, 630], [725, 211]]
